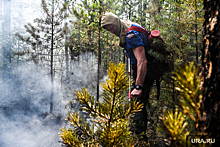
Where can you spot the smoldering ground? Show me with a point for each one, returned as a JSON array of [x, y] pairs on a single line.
[[25, 120]]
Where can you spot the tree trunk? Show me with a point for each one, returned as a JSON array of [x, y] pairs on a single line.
[[67, 60], [1, 15], [209, 122], [66, 50], [6, 41], [1, 18], [51, 60], [99, 54], [196, 34]]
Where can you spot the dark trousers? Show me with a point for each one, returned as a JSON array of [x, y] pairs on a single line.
[[140, 118]]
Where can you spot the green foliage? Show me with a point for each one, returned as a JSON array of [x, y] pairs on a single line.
[[180, 24], [187, 84], [108, 123], [51, 27], [87, 32], [175, 124]]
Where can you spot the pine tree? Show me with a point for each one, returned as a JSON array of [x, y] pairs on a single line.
[[176, 123], [108, 121], [187, 84], [208, 122], [180, 24], [88, 31], [48, 34]]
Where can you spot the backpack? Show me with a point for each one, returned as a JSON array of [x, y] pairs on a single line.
[[157, 55]]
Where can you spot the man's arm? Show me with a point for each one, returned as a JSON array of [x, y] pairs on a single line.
[[139, 53]]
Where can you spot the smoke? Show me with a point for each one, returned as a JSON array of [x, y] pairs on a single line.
[[28, 131], [25, 102], [25, 95], [25, 121]]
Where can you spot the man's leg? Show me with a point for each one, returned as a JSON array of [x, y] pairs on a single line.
[[140, 118]]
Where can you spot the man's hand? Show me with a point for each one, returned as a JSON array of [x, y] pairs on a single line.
[[136, 93]]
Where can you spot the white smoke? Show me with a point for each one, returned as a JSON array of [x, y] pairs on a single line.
[[25, 102], [25, 121]]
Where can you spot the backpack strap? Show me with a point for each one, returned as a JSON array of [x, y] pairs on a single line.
[[138, 29], [151, 35], [150, 39]]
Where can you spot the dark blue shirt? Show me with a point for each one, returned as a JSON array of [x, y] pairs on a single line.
[[135, 39]]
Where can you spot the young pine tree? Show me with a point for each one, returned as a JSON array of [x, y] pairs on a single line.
[[48, 33], [177, 124], [108, 123]]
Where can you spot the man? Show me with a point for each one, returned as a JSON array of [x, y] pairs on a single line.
[[136, 46]]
